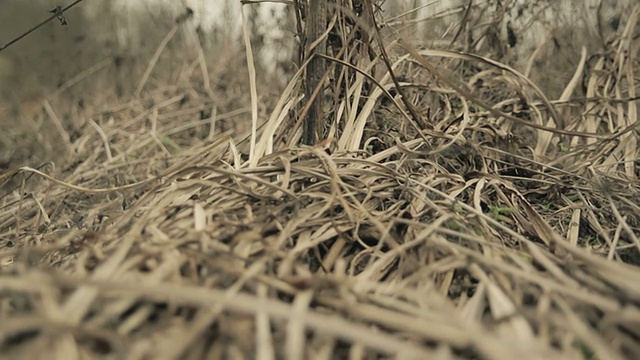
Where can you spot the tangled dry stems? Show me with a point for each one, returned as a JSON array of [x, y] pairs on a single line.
[[475, 238]]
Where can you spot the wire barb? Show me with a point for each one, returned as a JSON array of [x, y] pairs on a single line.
[[59, 13]]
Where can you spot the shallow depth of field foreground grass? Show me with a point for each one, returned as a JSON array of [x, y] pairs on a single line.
[[491, 222]]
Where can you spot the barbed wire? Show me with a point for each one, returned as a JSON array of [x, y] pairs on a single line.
[[57, 12]]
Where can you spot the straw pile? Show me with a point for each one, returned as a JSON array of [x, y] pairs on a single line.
[[503, 227]]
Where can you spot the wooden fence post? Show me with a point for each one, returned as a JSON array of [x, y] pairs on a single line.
[[315, 25]]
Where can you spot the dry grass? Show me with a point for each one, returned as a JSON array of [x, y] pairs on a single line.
[[500, 225]]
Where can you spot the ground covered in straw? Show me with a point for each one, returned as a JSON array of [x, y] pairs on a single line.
[[504, 227]]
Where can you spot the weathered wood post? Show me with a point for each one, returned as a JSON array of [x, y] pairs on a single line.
[[314, 27]]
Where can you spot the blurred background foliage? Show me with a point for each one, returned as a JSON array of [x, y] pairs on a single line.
[[98, 60]]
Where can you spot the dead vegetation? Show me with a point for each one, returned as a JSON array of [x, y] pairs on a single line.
[[478, 219]]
